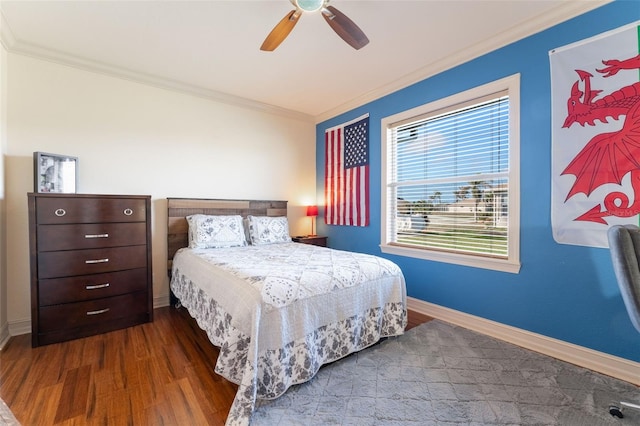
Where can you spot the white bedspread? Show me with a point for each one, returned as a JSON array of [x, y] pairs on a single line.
[[279, 312], [6, 416]]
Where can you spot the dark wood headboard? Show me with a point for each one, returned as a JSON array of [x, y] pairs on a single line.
[[179, 208]]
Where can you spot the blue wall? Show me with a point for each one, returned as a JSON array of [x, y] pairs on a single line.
[[562, 291]]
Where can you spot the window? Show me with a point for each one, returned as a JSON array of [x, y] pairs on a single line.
[[450, 181]]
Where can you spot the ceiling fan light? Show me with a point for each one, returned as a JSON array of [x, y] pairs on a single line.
[[310, 5]]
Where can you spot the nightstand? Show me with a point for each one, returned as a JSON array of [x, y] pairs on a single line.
[[315, 240]]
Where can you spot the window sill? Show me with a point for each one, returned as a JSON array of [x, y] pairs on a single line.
[[457, 259]]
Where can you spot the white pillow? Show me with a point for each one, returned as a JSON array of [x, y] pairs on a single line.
[[268, 230], [207, 231]]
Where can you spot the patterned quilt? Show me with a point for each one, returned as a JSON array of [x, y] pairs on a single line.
[[6, 416], [279, 312]]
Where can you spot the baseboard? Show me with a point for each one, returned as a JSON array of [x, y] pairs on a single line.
[[17, 328], [610, 365], [4, 335], [600, 362], [160, 302]]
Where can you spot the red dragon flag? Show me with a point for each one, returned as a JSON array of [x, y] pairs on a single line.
[[595, 95], [346, 173]]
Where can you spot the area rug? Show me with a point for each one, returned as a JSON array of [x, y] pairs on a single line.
[[6, 416], [441, 374]]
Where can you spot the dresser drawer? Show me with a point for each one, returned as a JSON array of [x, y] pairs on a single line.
[[91, 235], [55, 264], [89, 210], [54, 291], [71, 315]]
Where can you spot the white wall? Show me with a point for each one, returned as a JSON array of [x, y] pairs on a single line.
[[132, 138], [4, 333]]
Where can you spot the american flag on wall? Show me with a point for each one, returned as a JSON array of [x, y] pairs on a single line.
[[346, 173]]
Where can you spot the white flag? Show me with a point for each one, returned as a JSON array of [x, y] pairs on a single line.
[[595, 95]]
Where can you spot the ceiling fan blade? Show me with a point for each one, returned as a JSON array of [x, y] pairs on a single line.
[[280, 31], [345, 27]]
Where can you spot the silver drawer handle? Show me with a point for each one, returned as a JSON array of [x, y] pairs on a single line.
[[96, 236], [97, 286], [101, 311], [60, 212], [97, 261], [128, 212]]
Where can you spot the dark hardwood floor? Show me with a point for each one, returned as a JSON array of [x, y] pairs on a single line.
[[159, 373]]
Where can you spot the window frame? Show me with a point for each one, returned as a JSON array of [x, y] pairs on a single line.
[[511, 264]]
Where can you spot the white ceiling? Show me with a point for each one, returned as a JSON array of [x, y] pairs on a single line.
[[211, 48]]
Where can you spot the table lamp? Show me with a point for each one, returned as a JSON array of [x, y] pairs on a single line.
[[313, 212]]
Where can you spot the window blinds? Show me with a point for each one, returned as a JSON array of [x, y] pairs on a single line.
[[449, 178]]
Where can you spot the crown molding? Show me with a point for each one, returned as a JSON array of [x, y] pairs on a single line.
[[16, 46], [566, 11], [152, 80]]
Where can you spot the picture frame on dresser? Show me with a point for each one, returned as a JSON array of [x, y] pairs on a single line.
[[54, 173]]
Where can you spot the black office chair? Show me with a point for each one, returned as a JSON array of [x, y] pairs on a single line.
[[624, 245]]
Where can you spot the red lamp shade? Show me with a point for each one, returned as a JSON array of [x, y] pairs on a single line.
[[313, 212]]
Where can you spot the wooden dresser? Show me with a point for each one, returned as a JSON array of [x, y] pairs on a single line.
[[90, 264]]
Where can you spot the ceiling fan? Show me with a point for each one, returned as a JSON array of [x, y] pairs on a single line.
[[342, 25]]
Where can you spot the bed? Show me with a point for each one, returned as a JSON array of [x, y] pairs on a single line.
[[278, 310]]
